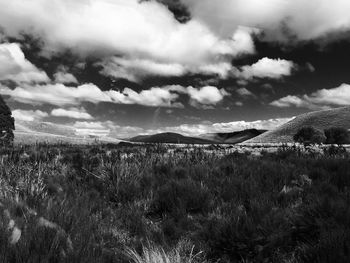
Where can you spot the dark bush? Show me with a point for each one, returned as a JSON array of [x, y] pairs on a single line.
[[309, 135], [337, 136]]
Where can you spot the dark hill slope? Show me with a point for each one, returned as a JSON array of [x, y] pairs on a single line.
[[232, 137]]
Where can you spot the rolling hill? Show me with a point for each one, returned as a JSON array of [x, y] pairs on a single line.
[[30, 132], [339, 117], [44, 127]]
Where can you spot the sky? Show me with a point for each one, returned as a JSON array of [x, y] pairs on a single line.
[[127, 67]]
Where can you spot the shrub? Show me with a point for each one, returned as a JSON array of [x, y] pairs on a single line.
[[7, 124], [309, 135], [337, 136]]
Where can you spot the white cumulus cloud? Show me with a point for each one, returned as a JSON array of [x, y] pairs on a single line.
[[29, 115], [207, 95], [14, 66], [268, 68], [61, 95], [156, 97], [146, 33], [321, 99], [56, 94], [74, 113], [279, 19]]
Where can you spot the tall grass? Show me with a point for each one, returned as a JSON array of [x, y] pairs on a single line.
[[64, 203]]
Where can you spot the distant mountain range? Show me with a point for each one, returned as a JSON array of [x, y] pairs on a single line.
[[339, 117], [209, 138]]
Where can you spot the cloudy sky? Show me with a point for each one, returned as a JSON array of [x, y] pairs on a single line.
[[127, 67]]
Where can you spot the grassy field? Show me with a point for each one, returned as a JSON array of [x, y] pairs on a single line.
[[64, 203]]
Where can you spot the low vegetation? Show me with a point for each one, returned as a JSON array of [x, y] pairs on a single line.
[[63, 203], [333, 135]]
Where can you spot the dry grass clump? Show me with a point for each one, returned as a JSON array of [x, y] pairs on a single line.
[[155, 254]]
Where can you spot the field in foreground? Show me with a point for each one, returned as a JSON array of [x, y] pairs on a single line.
[[165, 204]]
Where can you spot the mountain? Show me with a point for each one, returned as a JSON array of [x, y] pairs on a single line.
[[30, 132], [169, 137], [209, 138], [339, 117], [232, 137]]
